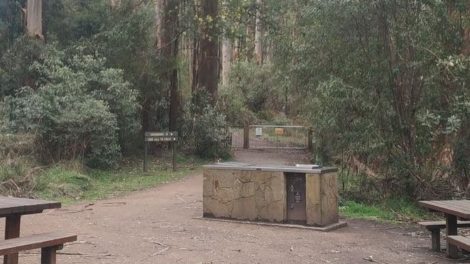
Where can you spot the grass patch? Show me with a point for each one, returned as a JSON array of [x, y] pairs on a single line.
[[69, 184], [364, 200], [393, 210]]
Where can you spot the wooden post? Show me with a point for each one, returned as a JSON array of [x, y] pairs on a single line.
[[451, 224], [12, 230], [310, 140], [173, 161], [145, 154], [49, 255], [246, 136], [436, 239]]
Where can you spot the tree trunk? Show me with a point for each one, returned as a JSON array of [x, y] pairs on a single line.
[[175, 96], [146, 108], [167, 44], [466, 45], [226, 60], [248, 46], [207, 58], [114, 3], [405, 85], [34, 19], [268, 53], [460, 17], [194, 65], [159, 12], [258, 34], [236, 50]]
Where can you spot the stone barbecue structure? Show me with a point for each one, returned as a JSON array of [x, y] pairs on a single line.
[[277, 194]]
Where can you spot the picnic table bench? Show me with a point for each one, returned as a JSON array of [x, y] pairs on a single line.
[[48, 243], [435, 228], [13, 209], [453, 210]]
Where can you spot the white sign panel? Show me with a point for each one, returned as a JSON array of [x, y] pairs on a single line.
[[259, 131]]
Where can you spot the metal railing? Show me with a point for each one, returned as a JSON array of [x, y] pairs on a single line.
[[271, 137], [237, 137]]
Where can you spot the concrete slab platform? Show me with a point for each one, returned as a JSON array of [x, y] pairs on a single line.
[[328, 228]]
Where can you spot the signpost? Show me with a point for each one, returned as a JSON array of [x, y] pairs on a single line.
[[170, 137]]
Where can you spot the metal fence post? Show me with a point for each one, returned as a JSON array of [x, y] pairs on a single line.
[[310, 139], [246, 136]]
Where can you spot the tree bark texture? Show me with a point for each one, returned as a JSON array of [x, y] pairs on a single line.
[[34, 19], [206, 64], [406, 86], [114, 3], [460, 17], [167, 44], [226, 60], [258, 34]]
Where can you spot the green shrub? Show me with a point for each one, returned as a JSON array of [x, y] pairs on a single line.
[[210, 132], [205, 129], [69, 127], [15, 70], [233, 106], [251, 89], [80, 109]]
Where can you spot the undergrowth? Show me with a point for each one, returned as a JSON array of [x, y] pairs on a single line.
[[69, 182], [392, 210], [362, 199]]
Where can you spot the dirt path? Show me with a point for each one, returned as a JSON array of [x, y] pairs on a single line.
[[161, 225], [286, 157]]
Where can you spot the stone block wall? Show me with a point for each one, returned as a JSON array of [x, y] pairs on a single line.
[[322, 199], [261, 195], [244, 195]]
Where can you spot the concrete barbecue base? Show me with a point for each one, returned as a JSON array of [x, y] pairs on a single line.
[[275, 194]]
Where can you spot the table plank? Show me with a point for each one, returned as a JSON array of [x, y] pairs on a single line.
[[460, 208], [464, 204], [451, 206], [11, 205], [455, 203]]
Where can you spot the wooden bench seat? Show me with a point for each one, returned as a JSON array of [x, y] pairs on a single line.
[[48, 243], [435, 228], [460, 242]]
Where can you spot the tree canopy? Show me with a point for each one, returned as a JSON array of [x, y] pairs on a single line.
[[383, 83]]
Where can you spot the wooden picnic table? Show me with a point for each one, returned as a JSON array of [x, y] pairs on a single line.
[[12, 209], [453, 210]]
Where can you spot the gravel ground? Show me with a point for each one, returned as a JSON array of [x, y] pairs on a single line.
[[163, 225]]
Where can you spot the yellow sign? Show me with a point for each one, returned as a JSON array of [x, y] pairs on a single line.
[[279, 131]]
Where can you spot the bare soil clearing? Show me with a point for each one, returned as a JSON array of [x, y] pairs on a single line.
[[161, 225]]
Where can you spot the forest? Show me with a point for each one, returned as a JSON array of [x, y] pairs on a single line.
[[385, 84]]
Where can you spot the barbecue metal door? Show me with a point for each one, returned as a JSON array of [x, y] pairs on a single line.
[[296, 208]]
